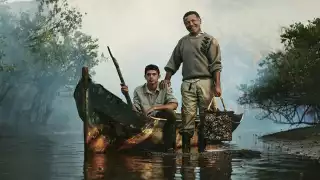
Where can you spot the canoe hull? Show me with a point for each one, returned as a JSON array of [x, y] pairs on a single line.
[[150, 140]]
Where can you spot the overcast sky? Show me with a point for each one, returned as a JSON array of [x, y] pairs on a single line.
[[141, 32]]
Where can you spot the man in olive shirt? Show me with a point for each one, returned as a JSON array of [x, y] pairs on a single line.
[[151, 100], [201, 57]]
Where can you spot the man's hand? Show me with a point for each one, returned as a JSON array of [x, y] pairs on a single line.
[[150, 110], [165, 84], [124, 89], [217, 90]]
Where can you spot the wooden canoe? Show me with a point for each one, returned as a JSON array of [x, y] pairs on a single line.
[[110, 123]]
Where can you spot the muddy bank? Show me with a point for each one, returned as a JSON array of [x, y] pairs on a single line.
[[301, 141]]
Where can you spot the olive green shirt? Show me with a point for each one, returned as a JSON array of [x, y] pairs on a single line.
[[144, 99]]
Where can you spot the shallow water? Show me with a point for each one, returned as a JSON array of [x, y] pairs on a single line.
[[60, 156]]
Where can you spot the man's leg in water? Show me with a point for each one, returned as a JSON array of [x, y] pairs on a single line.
[[188, 113]]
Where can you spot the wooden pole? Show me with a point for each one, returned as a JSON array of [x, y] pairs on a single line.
[[127, 96], [85, 93]]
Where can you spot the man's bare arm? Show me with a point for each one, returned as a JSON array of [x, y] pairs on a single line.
[[168, 75], [217, 78]]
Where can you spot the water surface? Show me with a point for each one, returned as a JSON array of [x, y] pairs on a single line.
[[60, 156]]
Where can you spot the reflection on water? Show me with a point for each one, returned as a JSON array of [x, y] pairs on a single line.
[[117, 166], [53, 157]]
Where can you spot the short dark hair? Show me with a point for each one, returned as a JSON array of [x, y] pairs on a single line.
[[190, 13], [151, 67]]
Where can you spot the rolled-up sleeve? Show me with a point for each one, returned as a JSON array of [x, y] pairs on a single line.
[[169, 98], [175, 61], [214, 56], [136, 101]]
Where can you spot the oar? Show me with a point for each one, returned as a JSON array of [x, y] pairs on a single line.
[[127, 96]]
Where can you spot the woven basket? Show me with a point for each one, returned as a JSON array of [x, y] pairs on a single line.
[[217, 124]]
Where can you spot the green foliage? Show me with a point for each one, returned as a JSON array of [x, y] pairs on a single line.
[[44, 50], [287, 81], [3, 66], [55, 18]]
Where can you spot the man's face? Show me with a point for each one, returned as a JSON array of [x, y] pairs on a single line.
[[152, 76], [192, 23]]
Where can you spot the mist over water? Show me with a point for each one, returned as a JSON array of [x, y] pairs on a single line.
[[141, 32], [37, 95], [146, 32]]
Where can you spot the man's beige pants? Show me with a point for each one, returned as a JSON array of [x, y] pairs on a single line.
[[196, 93]]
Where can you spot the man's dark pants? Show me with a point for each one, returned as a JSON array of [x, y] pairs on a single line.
[[169, 128]]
